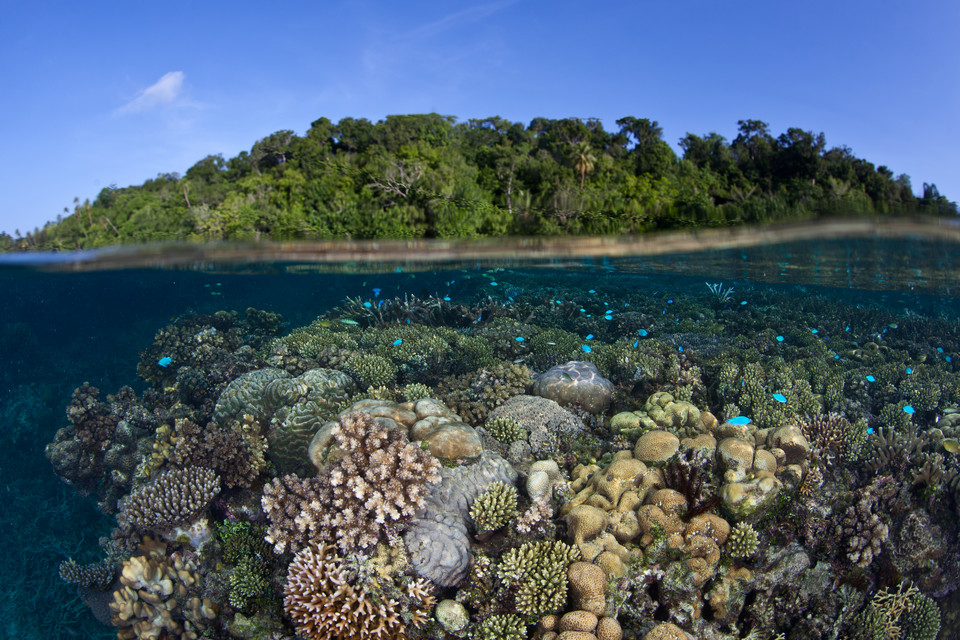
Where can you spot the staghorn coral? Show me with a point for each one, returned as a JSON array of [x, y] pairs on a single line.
[[535, 575], [832, 437], [171, 498], [378, 481], [326, 601], [495, 507], [416, 391]]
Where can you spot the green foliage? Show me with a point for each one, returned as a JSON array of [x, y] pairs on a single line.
[[414, 176]]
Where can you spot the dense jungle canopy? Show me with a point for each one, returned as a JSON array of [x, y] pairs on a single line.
[[415, 176]]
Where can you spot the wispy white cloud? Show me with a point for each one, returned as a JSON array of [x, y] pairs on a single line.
[[163, 91]]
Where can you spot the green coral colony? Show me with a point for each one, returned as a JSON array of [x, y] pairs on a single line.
[[530, 460]]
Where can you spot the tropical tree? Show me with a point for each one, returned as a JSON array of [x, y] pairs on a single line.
[[583, 160]]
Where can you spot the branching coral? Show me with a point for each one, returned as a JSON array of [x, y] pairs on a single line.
[[861, 525], [77, 453], [743, 540], [495, 507], [536, 574], [325, 601], [172, 498], [379, 481], [98, 575]]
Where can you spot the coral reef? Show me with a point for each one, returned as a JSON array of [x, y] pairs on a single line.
[[494, 508]]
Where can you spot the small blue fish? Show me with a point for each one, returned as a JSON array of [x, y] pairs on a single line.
[[379, 303], [948, 359], [642, 332], [591, 291], [408, 320], [669, 301], [847, 328], [939, 349], [493, 284], [636, 344], [558, 301], [608, 317], [814, 331], [908, 409], [583, 310], [836, 357], [589, 336], [398, 270], [519, 338], [586, 348], [779, 397], [367, 305], [909, 370], [739, 420], [779, 338], [680, 348], [446, 298], [376, 292], [479, 317], [871, 379], [397, 342], [869, 430], [165, 362], [743, 302]]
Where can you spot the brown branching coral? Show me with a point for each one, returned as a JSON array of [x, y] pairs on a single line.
[[861, 525], [325, 601], [77, 453], [475, 395], [233, 454], [379, 480], [172, 498], [830, 435]]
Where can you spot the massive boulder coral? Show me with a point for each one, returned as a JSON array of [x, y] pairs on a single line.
[[378, 480], [437, 538], [427, 420], [575, 382], [173, 497]]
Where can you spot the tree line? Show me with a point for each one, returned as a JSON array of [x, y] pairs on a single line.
[[416, 176]]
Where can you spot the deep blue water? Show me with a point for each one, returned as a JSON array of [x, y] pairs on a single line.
[[58, 330]]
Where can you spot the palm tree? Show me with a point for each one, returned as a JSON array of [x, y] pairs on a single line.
[[583, 160]]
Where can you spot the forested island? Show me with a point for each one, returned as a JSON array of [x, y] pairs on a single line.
[[428, 176]]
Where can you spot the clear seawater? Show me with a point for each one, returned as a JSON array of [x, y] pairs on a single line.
[[64, 322]]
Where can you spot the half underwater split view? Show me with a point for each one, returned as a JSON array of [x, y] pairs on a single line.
[[758, 438]]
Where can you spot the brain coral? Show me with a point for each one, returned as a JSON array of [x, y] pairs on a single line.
[[575, 382], [295, 407], [437, 539]]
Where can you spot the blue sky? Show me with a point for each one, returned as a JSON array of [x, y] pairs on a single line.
[[113, 93]]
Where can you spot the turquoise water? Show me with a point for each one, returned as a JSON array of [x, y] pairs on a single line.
[[779, 335]]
